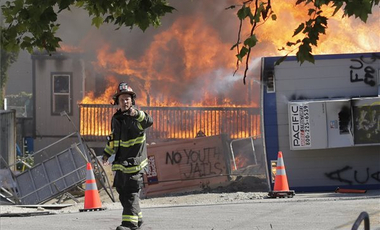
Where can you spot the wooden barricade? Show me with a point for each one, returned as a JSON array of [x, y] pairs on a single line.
[[187, 165]]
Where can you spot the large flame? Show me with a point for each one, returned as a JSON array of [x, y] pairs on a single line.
[[179, 68], [189, 62], [343, 35], [105, 97]]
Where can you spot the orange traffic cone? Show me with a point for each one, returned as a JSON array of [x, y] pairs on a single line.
[[281, 187], [91, 196]]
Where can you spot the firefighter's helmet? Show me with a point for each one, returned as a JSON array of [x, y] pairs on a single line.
[[124, 88]]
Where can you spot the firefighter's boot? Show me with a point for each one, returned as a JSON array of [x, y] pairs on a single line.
[[121, 227], [141, 222]]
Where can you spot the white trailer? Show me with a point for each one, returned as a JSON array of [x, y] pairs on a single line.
[[325, 118]]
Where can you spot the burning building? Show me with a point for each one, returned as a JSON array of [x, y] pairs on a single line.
[[181, 72]]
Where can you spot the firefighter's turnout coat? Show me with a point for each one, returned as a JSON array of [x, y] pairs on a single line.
[[128, 142]]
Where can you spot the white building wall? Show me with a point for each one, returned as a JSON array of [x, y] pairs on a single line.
[[330, 77], [52, 127]]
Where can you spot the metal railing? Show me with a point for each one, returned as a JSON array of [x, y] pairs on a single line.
[[176, 122], [362, 217], [55, 176]]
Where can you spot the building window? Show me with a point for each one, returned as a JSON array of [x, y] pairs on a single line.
[[61, 90]]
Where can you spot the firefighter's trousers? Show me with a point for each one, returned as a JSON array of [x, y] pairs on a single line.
[[128, 186]]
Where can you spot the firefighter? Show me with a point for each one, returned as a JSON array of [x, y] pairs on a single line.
[[127, 142]]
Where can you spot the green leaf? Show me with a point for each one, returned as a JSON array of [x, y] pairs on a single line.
[[12, 47], [18, 5], [309, 22], [48, 15], [97, 21], [299, 2], [29, 49], [304, 53], [244, 12], [274, 17], [25, 44], [337, 6], [79, 4], [109, 19], [258, 13], [317, 3], [24, 14], [308, 2], [251, 41], [55, 28], [322, 20], [27, 39], [311, 11], [63, 4], [242, 53], [299, 29], [360, 9], [241, 13]]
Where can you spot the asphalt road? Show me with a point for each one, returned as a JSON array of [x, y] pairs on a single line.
[[306, 212]]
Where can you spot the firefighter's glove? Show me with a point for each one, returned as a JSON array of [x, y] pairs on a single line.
[[129, 162], [105, 158], [132, 112], [136, 113]]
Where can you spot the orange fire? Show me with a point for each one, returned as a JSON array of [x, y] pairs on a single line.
[[343, 35], [241, 161], [178, 122], [190, 64], [194, 75], [105, 97], [70, 49]]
